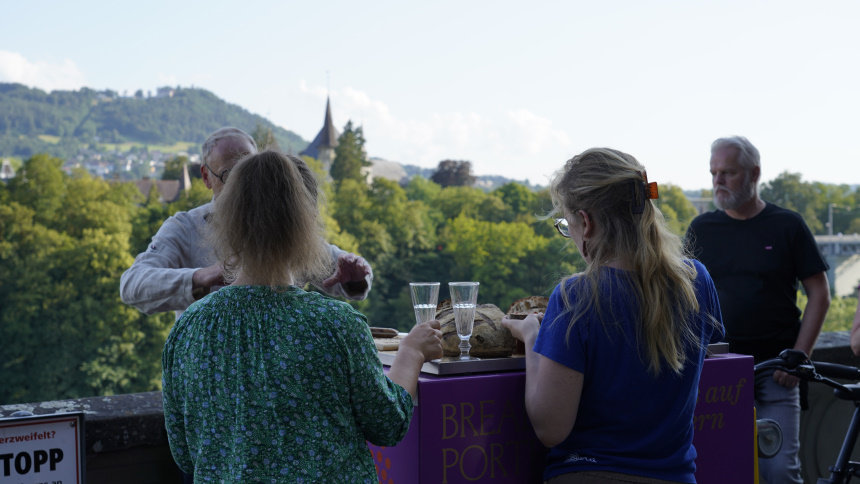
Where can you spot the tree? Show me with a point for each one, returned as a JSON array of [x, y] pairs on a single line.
[[420, 188], [508, 259], [173, 168], [265, 138], [788, 191], [195, 197], [39, 184], [349, 155], [519, 199], [454, 173], [460, 200], [68, 334], [676, 208]]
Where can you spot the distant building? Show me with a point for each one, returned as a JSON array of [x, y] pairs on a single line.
[[6, 171], [168, 190], [164, 92], [702, 204], [390, 170], [322, 147]]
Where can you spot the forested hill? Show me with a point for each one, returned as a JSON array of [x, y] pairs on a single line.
[[60, 122]]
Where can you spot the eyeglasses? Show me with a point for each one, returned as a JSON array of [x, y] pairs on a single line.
[[562, 227], [222, 176]]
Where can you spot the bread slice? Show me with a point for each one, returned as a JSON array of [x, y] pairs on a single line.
[[522, 308], [527, 305], [383, 332]]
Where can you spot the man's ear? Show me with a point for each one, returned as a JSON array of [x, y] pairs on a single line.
[[204, 173], [755, 174]]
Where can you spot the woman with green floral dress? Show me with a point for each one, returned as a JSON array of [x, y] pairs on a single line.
[[265, 382]]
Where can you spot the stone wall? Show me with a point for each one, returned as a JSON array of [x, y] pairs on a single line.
[[125, 437]]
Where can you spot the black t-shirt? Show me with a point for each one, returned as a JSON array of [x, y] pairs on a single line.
[[756, 265]]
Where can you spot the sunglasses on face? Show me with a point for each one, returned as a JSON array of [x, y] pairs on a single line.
[[562, 227]]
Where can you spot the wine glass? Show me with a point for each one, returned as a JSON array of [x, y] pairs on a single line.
[[464, 298], [425, 296]]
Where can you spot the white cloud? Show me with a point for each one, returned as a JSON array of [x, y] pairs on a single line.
[[533, 132], [495, 142], [64, 76], [169, 80], [317, 91]]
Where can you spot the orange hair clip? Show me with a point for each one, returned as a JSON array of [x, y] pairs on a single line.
[[651, 192]]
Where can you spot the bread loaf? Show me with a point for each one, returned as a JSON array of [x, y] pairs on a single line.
[[489, 338]]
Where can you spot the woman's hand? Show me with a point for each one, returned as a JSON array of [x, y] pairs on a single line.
[[525, 330], [426, 339], [423, 343]]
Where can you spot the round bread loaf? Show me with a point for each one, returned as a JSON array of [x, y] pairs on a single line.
[[489, 338]]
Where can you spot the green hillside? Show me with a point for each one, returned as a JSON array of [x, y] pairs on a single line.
[[63, 122]]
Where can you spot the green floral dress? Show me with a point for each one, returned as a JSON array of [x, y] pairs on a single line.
[[266, 386]]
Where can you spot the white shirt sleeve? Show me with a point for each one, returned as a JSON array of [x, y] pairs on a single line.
[[160, 278]]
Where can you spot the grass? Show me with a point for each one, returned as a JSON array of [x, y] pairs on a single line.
[[174, 148], [47, 138]]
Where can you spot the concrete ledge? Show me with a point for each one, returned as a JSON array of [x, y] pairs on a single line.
[[835, 348], [112, 423]]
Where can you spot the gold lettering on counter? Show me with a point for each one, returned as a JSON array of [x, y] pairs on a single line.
[[472, 454]]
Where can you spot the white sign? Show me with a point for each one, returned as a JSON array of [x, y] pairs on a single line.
[[42, 449]]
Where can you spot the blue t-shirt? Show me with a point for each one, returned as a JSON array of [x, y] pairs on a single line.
[[628, 420]]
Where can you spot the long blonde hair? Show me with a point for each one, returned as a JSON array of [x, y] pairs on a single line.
[[609, 186], [266, 222]]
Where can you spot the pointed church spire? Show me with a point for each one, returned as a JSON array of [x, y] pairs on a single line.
[[326, 139]]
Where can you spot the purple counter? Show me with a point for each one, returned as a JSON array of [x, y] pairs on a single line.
[[474, 428]]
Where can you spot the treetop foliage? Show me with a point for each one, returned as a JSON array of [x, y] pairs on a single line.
[[349, 155], [265, 138], [454, 173]]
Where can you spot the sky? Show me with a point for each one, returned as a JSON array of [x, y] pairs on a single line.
[[516, 88]]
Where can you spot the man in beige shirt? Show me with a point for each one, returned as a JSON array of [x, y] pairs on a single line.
[[177, 268]]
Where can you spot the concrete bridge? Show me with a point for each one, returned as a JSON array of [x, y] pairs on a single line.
[[842, 252]]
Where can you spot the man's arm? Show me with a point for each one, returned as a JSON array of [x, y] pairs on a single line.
[[818, 301], [163, 277], [818, 294]]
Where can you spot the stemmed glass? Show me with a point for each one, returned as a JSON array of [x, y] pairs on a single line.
[[464, 298], [425, 297]]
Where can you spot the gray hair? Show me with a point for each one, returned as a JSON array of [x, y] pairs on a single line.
[[223, 133], [748, 156]]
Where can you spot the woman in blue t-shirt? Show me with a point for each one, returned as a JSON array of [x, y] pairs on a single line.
[[612, 372]]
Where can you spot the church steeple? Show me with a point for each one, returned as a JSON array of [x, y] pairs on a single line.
[[322, 147]]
